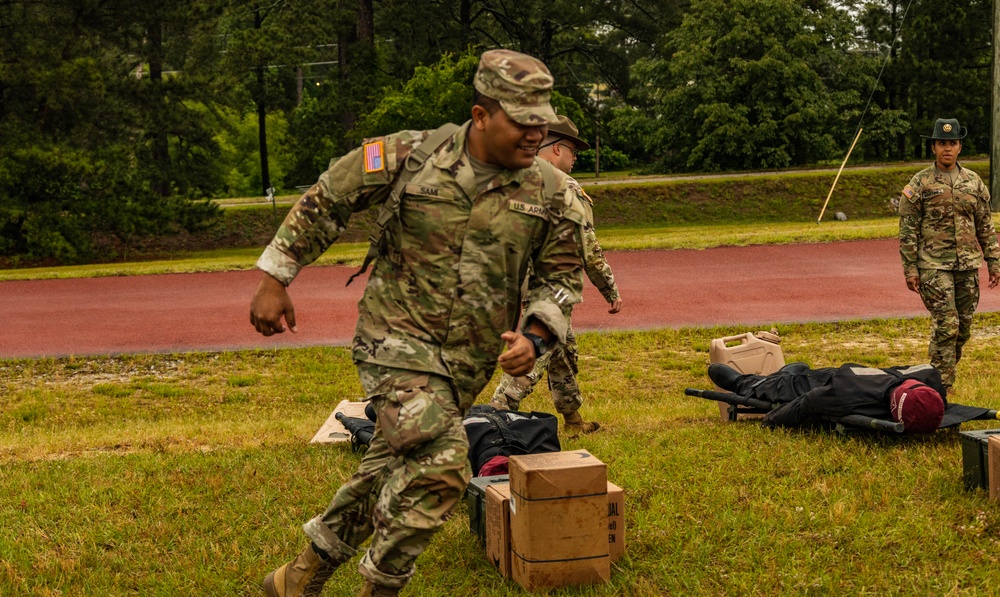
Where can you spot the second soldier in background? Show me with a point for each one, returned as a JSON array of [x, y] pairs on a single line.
[[560, 149]]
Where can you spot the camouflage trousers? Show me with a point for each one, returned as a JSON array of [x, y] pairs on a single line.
[[561, 366], [408, 482], [951, 296]]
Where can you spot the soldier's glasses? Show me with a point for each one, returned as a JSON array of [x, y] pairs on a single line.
[[575, 151]]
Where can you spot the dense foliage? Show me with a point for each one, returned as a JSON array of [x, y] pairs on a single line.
[[114, 115]]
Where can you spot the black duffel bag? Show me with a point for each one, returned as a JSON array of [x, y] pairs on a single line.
[[495, 433]]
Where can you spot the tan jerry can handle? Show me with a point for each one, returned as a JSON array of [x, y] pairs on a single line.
[[742, 338]]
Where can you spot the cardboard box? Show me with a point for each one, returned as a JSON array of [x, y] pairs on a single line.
[[975, 457], [558, 520], [616, 522], [993, 464], [475, 499], [332, 431], [498, 527]]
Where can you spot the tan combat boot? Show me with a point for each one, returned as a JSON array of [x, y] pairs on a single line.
[[302, 577], [576, 425], [371, 589]]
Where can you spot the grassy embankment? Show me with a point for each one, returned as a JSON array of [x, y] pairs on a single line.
[[191, 474], [736, 210]]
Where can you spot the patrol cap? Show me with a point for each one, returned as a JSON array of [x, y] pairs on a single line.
[[565, 129], [948, 129], [522, 85], [917, 406]]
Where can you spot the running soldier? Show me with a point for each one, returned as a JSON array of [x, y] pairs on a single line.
[[560, 149], [465, 212]]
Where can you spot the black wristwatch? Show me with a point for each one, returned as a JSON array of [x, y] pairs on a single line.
[[540, 345]]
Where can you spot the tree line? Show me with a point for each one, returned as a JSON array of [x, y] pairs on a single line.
[[115, 114]]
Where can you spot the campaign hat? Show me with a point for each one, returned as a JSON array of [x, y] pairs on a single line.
[[565, 129], [948, 129]]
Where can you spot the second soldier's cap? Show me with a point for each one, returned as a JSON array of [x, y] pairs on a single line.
[[565, 129], [522, 85], [948, 129]]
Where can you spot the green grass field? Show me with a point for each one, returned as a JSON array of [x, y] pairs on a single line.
[[191, 474]]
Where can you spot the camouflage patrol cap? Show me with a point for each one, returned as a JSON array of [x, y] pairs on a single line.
[[520, 83], [948, 129], [565, 129]]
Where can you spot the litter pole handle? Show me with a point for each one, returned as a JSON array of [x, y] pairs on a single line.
[[353, 425], [870, 423], [361, 436], [730, 398], [989, 415], [727, 397]]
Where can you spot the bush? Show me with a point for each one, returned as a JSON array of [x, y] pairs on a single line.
[[611, 159], [57, 199]]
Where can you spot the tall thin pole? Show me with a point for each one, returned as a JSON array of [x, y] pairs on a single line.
[[265, 176], [995, 124], [846, 157]]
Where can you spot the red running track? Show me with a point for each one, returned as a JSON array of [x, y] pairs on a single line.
[[753, 286]]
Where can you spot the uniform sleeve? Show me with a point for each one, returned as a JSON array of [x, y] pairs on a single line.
[[597, 267], [985, 231], [910, 219], [350, 185], [558, 268]]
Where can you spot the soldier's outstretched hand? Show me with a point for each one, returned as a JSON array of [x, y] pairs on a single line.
[[994, 280], [616, 306], [270, 304]]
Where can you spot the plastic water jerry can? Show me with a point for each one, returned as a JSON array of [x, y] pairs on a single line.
[[750, 353]]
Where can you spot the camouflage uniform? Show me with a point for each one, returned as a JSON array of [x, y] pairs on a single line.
[[944, 231], [442, 291], [561, 362]]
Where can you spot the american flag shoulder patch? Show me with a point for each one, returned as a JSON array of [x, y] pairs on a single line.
[[908, 191], [374, 157]]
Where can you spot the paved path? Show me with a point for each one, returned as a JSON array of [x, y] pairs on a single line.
[[731, 285]]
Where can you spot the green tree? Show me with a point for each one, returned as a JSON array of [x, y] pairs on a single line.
[[750, 84], [262, 49], [173, 53], [71, 138], [938, 66], [434, 95], [330, 43], [946, 57]]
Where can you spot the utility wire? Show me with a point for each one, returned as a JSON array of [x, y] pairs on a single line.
[[888, 55], [857, 132]]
